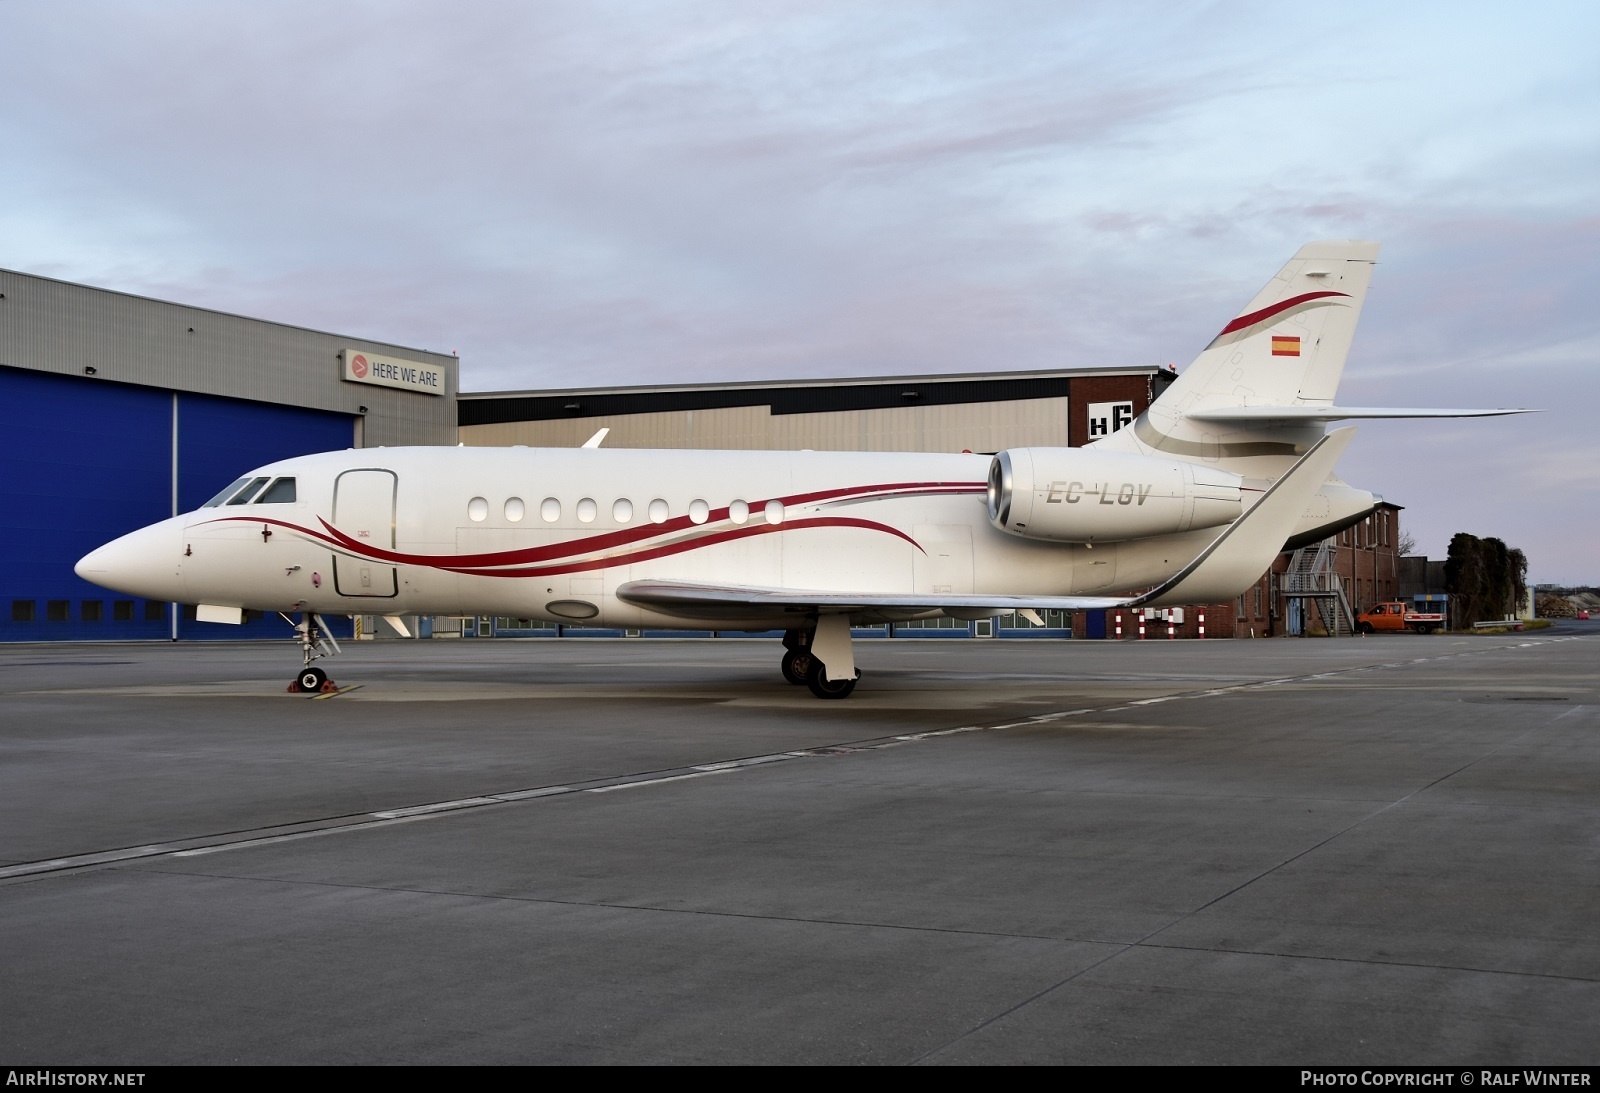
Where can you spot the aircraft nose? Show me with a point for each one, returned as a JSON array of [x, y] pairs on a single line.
[[145, 563]]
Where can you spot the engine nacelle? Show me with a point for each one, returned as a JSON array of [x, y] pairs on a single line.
[[1080, 495]]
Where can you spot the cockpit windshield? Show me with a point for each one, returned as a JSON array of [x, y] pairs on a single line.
[[246, 495], [227, 492]]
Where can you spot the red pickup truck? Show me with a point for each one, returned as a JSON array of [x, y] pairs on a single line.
[[1398, 616]]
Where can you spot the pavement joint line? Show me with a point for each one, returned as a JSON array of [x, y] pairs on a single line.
[[655, 781], [273, 840], [329, 825], [1364, 960], [1320, 843], [439, 806], [651, 908]]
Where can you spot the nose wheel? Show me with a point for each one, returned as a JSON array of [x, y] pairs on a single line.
[[315, 643]]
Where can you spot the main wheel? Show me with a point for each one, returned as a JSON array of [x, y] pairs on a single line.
[[311, 680], [795, 664], [823, 687]]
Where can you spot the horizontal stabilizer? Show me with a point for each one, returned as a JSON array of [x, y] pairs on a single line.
[[1301, 415], [1236, 559]]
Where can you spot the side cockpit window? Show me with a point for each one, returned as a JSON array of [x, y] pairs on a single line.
[[281, 492]]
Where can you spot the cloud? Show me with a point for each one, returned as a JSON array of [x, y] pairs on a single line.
[[620, 192]]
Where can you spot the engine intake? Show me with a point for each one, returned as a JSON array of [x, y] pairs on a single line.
[[1079, 495]]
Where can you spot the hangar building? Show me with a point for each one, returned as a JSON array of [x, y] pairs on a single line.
[[945, 413], [125, 410]]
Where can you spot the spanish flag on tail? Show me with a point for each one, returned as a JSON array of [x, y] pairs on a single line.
[[1285, 345]]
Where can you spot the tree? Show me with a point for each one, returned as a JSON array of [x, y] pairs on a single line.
[[1519, 580], [1486, 579], [1463, 577]]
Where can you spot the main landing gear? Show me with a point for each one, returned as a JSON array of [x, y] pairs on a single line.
[[315, 643], [823, 687], [796, 663], [803, 663]]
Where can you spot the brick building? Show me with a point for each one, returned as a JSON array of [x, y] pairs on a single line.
[[1318, 589]]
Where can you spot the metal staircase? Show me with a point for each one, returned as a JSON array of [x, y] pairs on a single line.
[[1312, 581]]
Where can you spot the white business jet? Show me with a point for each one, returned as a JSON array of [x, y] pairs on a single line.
[[1190, 504]]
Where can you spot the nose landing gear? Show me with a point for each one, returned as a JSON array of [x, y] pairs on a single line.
[[316, 642]]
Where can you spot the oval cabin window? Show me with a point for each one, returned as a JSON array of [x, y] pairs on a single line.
[[622, 510], [659, 511], [587, 509], [774, 512], [550, 510], [739, 512], [515, 509], [478, 509], [699, 511]]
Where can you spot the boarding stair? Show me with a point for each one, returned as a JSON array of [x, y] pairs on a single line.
[[1313, 579]]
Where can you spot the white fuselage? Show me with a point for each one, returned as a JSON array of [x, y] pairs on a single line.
[[553, 533]]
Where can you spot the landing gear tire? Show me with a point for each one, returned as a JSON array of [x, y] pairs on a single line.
[[796, 662], [823, 687], [310, 680]]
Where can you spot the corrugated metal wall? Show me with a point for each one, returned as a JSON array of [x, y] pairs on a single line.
[[54, 326], [978, 427]]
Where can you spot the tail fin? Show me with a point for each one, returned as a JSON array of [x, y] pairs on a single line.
[[1287, 348]]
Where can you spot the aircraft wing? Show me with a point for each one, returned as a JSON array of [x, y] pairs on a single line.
[[691, 599], [1311, 415]]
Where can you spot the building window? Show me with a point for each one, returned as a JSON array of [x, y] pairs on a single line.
[[21, 610], [122, 610], [90, 610], [155, 611], [56, 610]]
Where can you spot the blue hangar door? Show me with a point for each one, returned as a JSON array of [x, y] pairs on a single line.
[[88, 460]]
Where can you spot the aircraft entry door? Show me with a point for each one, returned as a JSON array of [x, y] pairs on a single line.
[[363, 508]]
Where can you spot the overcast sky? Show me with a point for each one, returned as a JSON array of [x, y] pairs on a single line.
[[613, 193]]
